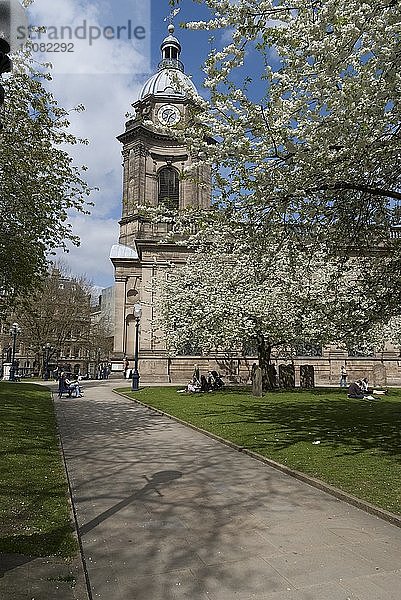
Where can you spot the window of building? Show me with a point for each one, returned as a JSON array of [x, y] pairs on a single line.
[[169, 187]]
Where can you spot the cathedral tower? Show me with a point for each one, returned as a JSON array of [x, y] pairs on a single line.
[[153, 165]]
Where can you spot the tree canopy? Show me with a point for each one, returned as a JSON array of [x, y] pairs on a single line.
[[39, 184], [58, 314], [248, 293], [304, 104]]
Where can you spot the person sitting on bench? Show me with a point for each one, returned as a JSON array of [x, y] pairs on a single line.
[[74, 387]]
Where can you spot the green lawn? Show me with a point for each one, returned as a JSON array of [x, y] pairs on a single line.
[[354, 445], [34, 508]]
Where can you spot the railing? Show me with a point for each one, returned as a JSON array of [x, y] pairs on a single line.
[[171, 63]]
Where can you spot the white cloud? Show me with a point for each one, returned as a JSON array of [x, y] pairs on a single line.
[[92, 257], [106, 81], [93, 36], [106, 99]]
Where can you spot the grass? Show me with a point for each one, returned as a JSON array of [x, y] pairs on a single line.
[[354, 445], [34, 508]]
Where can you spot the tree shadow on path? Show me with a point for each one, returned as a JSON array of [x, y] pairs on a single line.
[[157, 480]]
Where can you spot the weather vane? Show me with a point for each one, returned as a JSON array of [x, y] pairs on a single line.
[[172, 16]]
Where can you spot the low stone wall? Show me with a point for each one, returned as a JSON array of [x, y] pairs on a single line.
[[326, 370]]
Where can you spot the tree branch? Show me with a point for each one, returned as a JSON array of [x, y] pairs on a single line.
[[343, 185]]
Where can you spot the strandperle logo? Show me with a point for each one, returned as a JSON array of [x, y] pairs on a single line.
[[113, 40], [84, 31]]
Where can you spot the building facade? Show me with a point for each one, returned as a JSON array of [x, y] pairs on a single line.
[[54, 330]]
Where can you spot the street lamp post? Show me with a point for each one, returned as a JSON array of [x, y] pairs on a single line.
[[46, 350], [15, 329], [135, 374], [5, 65], [97, 373]]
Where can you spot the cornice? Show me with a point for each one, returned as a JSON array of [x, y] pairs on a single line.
[[138, 131], [169, 158], [161, 99]]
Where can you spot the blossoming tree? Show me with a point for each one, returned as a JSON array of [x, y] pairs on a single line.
[[312, 135], [307, 177], [244, 289], [39, 184]]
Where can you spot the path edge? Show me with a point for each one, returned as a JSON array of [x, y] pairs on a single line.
[[308, 479], [85, 573]]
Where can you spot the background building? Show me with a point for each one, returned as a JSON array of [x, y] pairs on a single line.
[[55, 328]]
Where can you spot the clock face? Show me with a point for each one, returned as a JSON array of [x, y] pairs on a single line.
[[168, 114]]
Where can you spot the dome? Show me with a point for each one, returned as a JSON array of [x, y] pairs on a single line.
[[170, 80]]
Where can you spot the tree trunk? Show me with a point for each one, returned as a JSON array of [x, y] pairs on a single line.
[[269, 376]]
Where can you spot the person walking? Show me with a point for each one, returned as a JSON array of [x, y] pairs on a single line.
[[343, 377]]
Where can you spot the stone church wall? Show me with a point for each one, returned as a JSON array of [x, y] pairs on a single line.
[[237, 370]]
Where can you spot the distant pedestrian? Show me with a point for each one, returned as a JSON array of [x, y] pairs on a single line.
[[343, 377], [62, 386]]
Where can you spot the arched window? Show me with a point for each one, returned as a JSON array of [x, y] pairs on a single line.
[[169, 187]]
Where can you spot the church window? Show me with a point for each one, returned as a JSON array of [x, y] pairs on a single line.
[[169, 188]]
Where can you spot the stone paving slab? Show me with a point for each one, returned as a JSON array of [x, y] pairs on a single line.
[[168, 513], [28, 578]]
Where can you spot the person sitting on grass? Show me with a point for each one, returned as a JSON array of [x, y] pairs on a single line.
[[367, 390], [194, 385], [204, 384], [356, 390], [365, 385], [215, 381]]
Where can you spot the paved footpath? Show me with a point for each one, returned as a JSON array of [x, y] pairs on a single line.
[[167, 513]]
